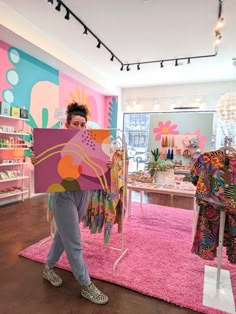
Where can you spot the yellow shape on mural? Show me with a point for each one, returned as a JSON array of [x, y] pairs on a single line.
[[80, 98]]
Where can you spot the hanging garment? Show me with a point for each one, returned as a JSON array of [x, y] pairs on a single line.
[[168, 154], [214, 175], [106, 207], [94, 216], [120, 175], [162, 153]]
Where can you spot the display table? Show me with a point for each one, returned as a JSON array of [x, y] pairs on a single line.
[[179, 190]]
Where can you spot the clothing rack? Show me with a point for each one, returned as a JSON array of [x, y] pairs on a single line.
[[120, 143]]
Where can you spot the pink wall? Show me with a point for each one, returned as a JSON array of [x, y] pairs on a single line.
[[72, 90], [5, 65]]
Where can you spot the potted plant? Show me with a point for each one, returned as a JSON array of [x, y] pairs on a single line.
[[159, 168]]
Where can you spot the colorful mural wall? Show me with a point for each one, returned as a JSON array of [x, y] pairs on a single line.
[[27, 82], [166, 124]]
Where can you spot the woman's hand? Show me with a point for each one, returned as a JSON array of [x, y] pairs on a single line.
[[34, 159], [110, 164]]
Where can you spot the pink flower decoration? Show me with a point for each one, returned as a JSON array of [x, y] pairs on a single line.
[[165, 129], [201, 139]]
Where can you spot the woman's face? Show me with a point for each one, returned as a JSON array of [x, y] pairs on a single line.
[[77, 122]]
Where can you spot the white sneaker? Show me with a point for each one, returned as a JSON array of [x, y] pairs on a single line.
[[93, 294], [50, 275]]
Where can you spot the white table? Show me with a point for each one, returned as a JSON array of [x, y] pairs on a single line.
[[169, 190]]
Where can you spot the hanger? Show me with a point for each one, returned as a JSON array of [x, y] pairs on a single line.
[[228, 148], [117, 143]]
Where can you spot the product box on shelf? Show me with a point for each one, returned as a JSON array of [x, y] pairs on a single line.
[[5, 108], [15, 112], [24, 113]]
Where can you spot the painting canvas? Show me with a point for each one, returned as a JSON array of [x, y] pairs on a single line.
[[70, 160]]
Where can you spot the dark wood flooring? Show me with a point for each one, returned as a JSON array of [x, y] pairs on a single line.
[[22, 289]]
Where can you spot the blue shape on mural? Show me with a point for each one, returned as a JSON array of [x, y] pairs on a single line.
[[25, 73], [112, 113]]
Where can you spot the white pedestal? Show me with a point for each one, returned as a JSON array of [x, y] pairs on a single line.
[[221, 298]]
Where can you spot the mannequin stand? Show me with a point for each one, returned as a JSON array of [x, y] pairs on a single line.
[[217, 291]]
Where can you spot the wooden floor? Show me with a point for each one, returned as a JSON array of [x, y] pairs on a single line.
[[22, 289]]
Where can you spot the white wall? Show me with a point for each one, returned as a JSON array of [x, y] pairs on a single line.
[[164, 98]]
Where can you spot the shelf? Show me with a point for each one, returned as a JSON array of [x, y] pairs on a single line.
[[13, 133], [14, 179], [13, 164], [9, 182], [9, 117], [15, 148], [13, 194]]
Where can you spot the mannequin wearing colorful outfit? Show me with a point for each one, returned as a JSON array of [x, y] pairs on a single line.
[[214, 174]]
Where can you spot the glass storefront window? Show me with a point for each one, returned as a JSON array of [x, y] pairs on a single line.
[[136, 128]]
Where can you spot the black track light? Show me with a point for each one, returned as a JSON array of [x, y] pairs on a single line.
[[67, 16], [85, 33], [125, 66], [58, 7]]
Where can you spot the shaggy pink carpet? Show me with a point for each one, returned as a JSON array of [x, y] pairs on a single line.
[[159, 262]]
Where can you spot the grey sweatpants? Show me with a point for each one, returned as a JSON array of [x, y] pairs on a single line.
[[68, 209]]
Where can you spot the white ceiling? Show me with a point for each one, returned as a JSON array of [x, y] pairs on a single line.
[[135, 30]]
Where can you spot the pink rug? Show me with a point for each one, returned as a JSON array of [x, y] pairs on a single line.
[[159, 262]]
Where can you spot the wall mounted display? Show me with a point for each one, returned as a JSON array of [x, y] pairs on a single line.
[[70, 160], [198, 125]]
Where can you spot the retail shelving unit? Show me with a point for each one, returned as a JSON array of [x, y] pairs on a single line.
[[12, 162]]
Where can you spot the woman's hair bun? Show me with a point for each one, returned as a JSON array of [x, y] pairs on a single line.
[[75, 109], [74, 106]]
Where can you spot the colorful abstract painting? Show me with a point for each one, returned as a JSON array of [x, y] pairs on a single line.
[[70, 160]]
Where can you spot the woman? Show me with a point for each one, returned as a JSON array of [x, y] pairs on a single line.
[[68, 209]]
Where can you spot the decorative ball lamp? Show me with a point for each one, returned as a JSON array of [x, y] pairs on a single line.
[[226, 107]]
